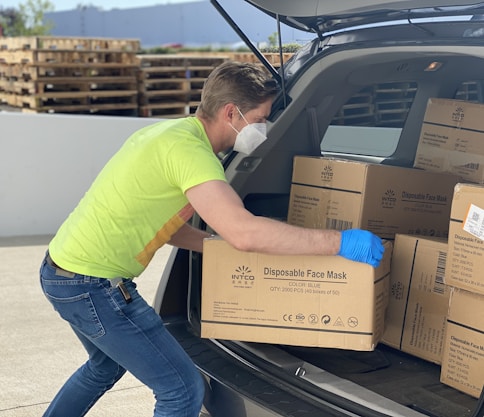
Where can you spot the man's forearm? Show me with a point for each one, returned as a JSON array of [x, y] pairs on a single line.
[[188, 237], [274, 237]]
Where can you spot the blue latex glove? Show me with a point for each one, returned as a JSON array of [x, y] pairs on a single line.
[[361, 246]]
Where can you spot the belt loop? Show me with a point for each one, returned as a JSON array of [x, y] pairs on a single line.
[[58, 270], [115, 281]]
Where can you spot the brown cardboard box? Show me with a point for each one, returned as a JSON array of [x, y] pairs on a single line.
[[419, 299], [319, 301], [463, 355], [340, 194], [452, 139], [465, 260]]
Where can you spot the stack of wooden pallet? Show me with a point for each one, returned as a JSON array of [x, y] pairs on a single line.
[[383, 105], [273, 58], [69, 75], [170, 85], [48, 74]]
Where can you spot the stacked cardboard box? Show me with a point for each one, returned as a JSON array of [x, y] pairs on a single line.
[[435, 291], [409, 205], [419, 298], [463, 357], [306, 300], [329, 193], [452, 139], [294, 300]]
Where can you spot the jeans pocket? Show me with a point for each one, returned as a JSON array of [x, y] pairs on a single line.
[[80, 312]]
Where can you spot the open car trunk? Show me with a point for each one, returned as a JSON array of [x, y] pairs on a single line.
[[385, 381], [376, 80]]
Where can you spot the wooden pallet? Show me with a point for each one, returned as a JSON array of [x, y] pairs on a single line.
[[60, 84], [471, 91], [169, 109], [162, 97], [381, 105], [175, 84], [168, 84], [160, 73], [48, 57], [192, 106], [68, 43], [32, 72], [273, 58], [68, 74], [34, 69], [109, 109], [74, 102], [181, 60]]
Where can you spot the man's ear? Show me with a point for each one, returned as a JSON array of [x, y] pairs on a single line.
[[229, 111]]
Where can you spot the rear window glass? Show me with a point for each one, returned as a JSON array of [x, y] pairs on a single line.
[[381, 105], [471, 91], [370, 122]]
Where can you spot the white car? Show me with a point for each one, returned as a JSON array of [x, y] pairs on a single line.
[[359, 90]]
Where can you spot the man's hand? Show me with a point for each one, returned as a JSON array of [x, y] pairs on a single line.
[[361, 246]]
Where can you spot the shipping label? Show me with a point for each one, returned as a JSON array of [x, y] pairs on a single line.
[[474, 222]]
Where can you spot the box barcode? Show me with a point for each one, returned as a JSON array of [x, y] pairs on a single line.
[[439, 286], [475, 216], [338, 224], [472, 165]]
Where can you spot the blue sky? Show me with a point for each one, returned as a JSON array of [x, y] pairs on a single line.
[[104, 4]]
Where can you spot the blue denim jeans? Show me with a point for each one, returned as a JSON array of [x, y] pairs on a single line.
[[119, 336]]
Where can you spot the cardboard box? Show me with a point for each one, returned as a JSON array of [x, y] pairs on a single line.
[[419, 299], [452, 139], [340, 194], [463, 357], [465, 261], [319, 301]]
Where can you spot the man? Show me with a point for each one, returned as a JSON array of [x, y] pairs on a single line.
[[142, 200]]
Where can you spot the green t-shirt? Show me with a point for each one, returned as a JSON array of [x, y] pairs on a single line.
[[138, 201]]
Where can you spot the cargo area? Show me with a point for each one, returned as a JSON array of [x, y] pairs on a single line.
[[428, 360], [404, 370], [401, 377], [406, 366]]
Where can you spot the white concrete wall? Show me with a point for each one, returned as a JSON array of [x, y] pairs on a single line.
[[48, 161]]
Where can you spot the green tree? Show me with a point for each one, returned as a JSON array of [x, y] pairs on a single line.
[[28, 20], [273, 40], [9, 18]]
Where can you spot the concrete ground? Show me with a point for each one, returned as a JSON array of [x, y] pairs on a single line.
[[38, 351]]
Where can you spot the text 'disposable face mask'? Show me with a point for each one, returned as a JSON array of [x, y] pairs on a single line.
[[250, 137]]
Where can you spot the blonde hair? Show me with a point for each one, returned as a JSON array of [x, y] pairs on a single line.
[[245, 84]]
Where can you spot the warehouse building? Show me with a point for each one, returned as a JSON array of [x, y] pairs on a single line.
[[189, 24]]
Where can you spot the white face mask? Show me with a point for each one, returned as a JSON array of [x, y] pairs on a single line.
[[250, 136]]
